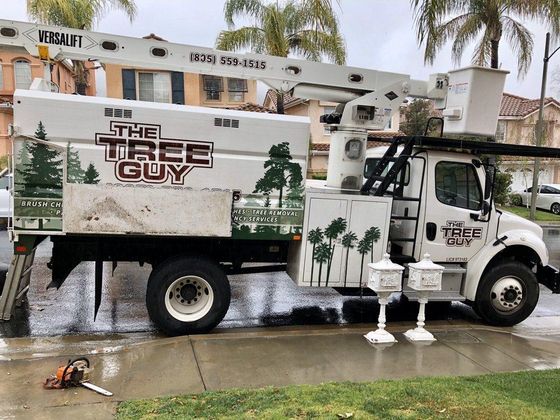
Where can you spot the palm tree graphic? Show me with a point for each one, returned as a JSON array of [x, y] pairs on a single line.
[[322, 254], [315, 237], [348, 243], [332, 231], [364, 247], [372, 234]]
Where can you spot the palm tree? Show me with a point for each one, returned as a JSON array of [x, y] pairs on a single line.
[[78, 14], [348, 242], [307, 28], [363, 248], [314, 237], [332, 231], [322, 254], [463, 21], [372, 234]]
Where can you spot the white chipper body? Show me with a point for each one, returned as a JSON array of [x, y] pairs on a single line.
[[198, 192]]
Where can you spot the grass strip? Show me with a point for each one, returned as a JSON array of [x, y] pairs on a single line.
[[541, 216], [520, 395]]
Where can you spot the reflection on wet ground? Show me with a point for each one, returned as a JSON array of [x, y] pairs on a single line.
[[269, 299]]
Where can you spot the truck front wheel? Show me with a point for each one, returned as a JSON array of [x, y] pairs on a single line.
[[507, 294], [187, 295]]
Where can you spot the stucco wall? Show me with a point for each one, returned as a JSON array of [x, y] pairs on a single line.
[[194, 93], [61, 75]]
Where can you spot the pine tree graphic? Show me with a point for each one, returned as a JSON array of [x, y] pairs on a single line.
[[42, 176], [91, 175], [74, 172], [23, 161], [281, 172]]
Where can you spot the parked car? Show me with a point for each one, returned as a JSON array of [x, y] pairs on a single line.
[[548, 197], [5, 206]]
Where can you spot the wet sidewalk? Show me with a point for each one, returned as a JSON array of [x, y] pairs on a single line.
[[145, 365]]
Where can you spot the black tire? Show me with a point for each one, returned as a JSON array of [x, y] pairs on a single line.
[[522, 305], [202, 278], [555, 208], [516, 200]]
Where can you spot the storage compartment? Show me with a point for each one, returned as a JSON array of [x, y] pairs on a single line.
[[329, 255]]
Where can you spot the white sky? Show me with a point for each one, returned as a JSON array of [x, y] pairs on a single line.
[[379, 34]]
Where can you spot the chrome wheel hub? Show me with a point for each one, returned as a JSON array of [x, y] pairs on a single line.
[[189, 298], [507, 294]]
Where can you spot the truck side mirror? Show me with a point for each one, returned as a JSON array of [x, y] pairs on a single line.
[[485, 208]]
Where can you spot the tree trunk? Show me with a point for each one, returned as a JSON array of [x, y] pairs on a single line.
[[494, 57], [329, 262], [346, 266], [80, 77], [320, 270], [361, 276], [312, 265], [279, 103]]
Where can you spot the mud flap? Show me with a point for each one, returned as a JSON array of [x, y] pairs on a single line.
[[550, 277]]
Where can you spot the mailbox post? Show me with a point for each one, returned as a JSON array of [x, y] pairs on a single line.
[[385, 277], [424, 277]]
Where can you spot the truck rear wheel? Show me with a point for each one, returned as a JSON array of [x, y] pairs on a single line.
[[507, 294], [187, 295]]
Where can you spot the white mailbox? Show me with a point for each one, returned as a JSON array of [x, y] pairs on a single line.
[[425, 275], [385, 276]]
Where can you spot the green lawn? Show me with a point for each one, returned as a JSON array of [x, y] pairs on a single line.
[[522, 395], [542, 216]]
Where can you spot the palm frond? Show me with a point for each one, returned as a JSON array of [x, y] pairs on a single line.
[[243, 8], [464, 33], [546, 12], [429, 14], [274, 27], [319, 14], [521, 40], [459, 25], [483, 50], [80, 14], [247, 37], [313, 45]]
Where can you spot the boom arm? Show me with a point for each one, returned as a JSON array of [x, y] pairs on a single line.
[[371, 96]]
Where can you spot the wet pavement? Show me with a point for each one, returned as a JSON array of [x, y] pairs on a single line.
[[139, 365], [274, 334], [258, 300]]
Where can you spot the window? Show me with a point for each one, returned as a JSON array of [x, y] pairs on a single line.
[[213, 86], [457, 185], [1, 77], [237, 89], [22, 71], [371, 163], [154, 87], [501, 131]]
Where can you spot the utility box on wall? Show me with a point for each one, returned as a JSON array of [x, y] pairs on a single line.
[[342, 233], [473, 100]]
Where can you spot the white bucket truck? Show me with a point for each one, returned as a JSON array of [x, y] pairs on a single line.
[[198, 192]]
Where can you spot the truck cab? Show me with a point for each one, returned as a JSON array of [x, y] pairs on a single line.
[[442, 206]]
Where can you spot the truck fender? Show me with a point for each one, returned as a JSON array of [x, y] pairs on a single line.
[[478, 264]]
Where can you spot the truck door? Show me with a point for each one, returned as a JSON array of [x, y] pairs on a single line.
[[454, 198]]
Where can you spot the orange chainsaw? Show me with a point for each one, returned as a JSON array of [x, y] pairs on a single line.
[[75, 373]]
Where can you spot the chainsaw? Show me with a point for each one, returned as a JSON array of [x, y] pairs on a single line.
[[75, 373]]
